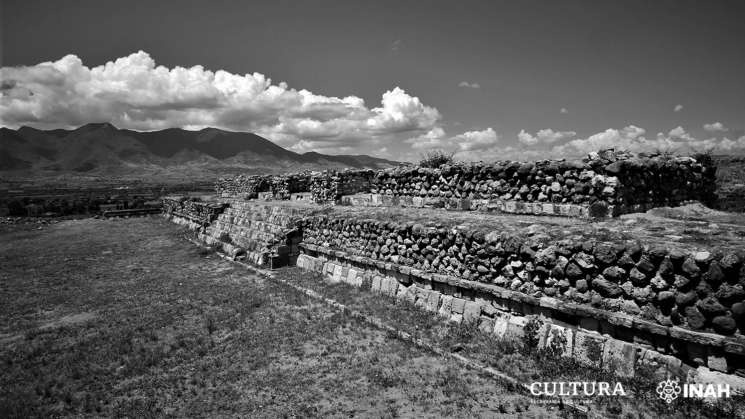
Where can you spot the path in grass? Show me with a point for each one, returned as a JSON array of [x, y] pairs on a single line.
[[125, 317]]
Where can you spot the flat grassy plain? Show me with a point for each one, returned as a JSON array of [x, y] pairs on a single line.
[[126, 318]]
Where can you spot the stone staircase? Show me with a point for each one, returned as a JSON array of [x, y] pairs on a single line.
[[267, 235]]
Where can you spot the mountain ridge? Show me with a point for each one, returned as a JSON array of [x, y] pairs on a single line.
[[103, 150]]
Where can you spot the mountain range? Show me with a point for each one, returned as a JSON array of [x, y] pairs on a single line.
[[102, 150]]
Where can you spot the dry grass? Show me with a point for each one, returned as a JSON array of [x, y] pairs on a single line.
[[124, 318]]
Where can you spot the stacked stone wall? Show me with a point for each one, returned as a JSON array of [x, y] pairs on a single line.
[[682, 310], [594, 337], [603, 184], [243, 186], [193, 209], [330, 186], [623, 182], [698, 291]]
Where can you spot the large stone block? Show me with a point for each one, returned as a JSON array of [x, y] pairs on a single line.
[[433, 301], [501, 321], [516, 327], [619, 357], [376, 283], [471, 311], [458, 305], [588, 348]]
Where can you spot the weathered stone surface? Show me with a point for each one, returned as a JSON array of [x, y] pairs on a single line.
[[581, 285], [710, 307], [724, 324], [471, 311], [620, 356], [714, 276], [615, 274], [573, 271], [730, 294], [588, 348], [638, 277], [458, 305], [606, 288], [690, 269], [685, 298], [695, 319], [605, 254]]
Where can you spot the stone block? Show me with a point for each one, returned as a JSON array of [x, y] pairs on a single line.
[[471, 311], [716, 361], [337, 274], [561, 337], [620, 357], [389, 286], [500, 325], [433, 301], [588, 348], [458, 305], [352, 277], [486, 325], [402, 292], [516, 327], [376, 283]]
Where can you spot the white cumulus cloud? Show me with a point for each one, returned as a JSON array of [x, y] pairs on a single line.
[[133, 92], [715, 127], [544, 136], [469, 85], [470, 145]]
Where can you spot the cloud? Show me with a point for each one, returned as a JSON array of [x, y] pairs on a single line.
[[133, 92], [544, 136], [715, 127], [434, 138], [469, 85], [476, 140], [633, 138], [678, 108], [563, 110], [470, 145]]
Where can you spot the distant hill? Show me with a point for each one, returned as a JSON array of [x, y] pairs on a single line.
[[102, 150]]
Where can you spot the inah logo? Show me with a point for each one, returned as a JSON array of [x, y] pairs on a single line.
[[668, 390]]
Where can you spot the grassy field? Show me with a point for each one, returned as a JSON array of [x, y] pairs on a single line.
[[125, 318]]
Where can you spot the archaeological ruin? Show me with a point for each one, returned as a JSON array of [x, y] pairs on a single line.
[[511, 244]]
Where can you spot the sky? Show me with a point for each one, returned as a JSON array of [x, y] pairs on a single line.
[[482, 79]]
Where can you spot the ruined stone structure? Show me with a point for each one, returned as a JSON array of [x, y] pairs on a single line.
[[606, 300], [604, 184]]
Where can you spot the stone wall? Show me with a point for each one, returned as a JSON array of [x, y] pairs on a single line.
[[618, 182], [696, 291], [330, 186], [192, 209], [681, 309], [249, 187], [265, 235], [594, 337], [603, 184]]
